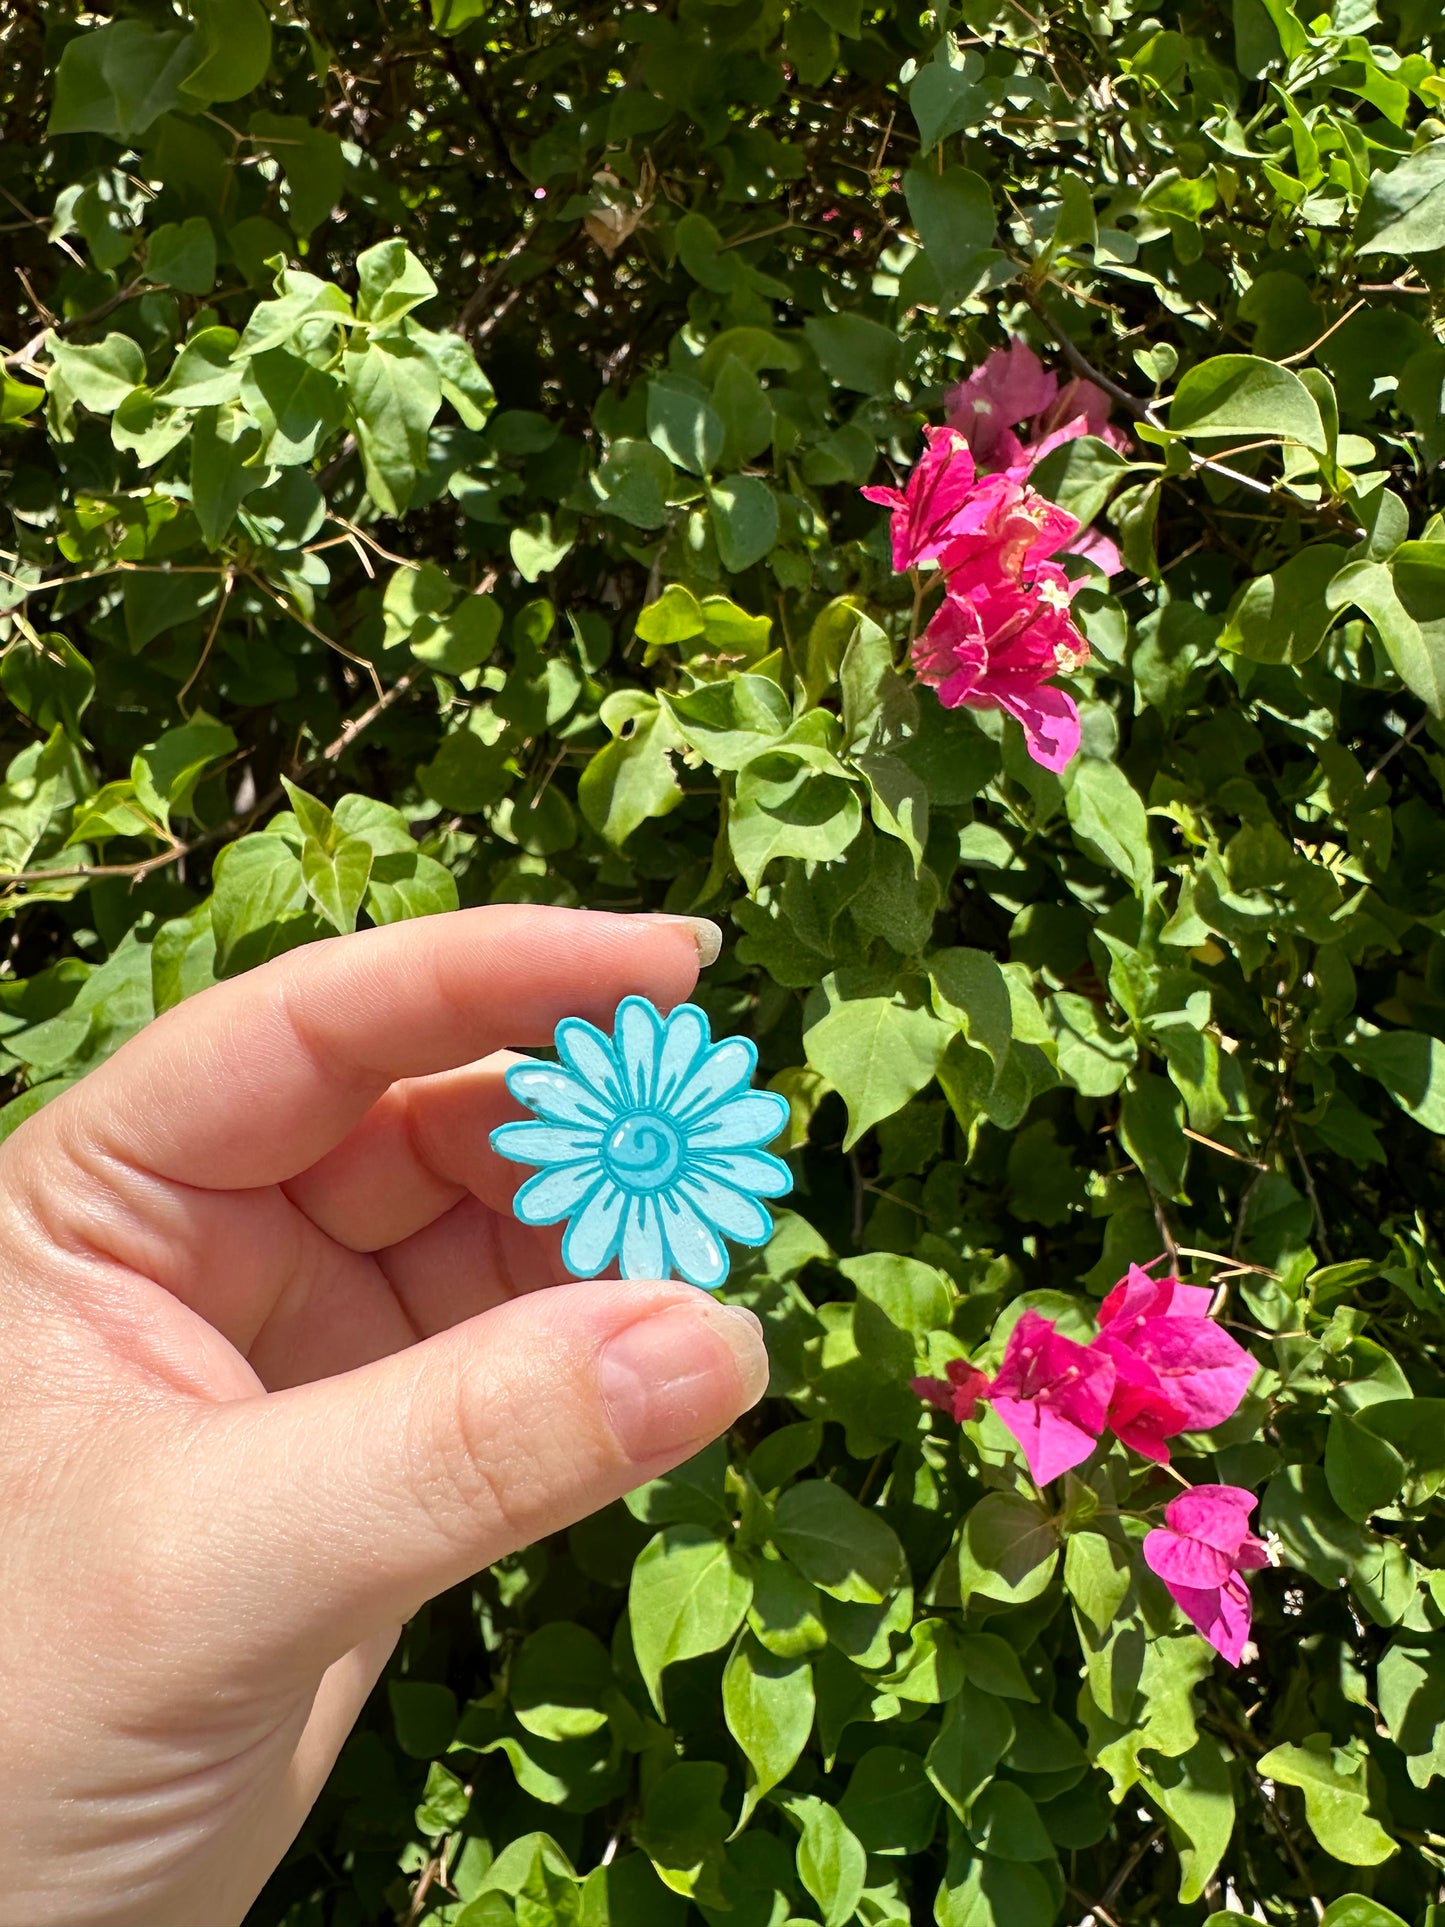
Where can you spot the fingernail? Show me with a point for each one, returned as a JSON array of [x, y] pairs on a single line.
[[682, 1375], [705, 934]]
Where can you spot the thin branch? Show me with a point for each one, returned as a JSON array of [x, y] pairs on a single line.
[[238, 823]]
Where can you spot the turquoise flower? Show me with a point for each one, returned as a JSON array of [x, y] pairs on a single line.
[[650, 1144]]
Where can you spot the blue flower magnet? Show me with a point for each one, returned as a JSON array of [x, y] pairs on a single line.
[[650, 1144]]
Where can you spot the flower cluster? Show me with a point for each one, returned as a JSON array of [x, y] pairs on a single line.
[[1004, 628], [1158, 1366]]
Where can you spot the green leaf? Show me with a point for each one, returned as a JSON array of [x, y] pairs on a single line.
[[788, 803], [981, 1890], [1008, 1549], [1246, 396], [682, 1828], [1411, 1066], [954, 214], [223, 446], [1005, 1822], [688, 1596], [1405, 600], [166, 773], [683, 423], [445, 1802], [1109, 821], [259, 904], [558, 1681], [889, 1804], [632, 778], [459, 640], [119, 79], [392, 283], [744, 520], [832, 1864], [991, 1665], [47, 679], [1284, 616], [395, 394], [182, 254], [425, 1715], [298, 406], [858, 353], [1195, 1793], [98, 377], [1403, 211], [877, 1051], [977, 1731], [633, 484], [233, 49], [206, 372], [1355, 1910], [1365, 1471], [768, 1706], [845, 1549], [946, 97], [1151, 1130], [1336, 1798]]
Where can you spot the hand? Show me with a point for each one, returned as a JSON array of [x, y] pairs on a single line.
[[278, 1364]]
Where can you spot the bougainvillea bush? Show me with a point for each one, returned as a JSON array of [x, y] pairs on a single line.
[[954, 496]]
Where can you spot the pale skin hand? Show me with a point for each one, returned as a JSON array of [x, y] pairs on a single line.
[[276, 1365]]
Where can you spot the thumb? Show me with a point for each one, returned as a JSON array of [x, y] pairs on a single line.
[[319, 1515]]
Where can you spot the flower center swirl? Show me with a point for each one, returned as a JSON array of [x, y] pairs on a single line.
[[643, 1151]]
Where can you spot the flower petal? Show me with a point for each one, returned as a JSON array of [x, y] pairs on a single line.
[[734, 1213], [638, 1037], [685, 1038], [1216, 1514], [1051, 1443], [643, 1254], [1202, 1368], [741, 1124], [756, 1171], [695, 1251], [584, 1049], [590, 1241], [1185, 1562], [1050, 721], [529, 1143], [556, 1193], [1219, 1613], [556, 1095], [726, 1068]]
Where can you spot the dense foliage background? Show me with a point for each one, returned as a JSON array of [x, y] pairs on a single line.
[[458, 414]]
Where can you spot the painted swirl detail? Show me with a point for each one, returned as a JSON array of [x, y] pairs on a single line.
[[643, 1151]]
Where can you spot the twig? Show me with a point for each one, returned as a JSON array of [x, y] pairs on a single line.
[[202, 659], [1144, 412], [24, 356], [1223, 1149], [239, 822], [1399, 743], [1314, 1196], [476, 303]]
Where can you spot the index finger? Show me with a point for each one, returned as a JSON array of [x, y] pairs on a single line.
[[252, 1081]]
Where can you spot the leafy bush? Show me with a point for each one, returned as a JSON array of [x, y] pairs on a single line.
[[433, 445]]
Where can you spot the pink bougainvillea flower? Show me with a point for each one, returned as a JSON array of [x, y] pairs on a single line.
[[1201, 1553], [960, 1394], [997, 645], [1004, 529], [1175, 1370], [1080, 408], [926, 511], [1052, 1394], [1006, 389]]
